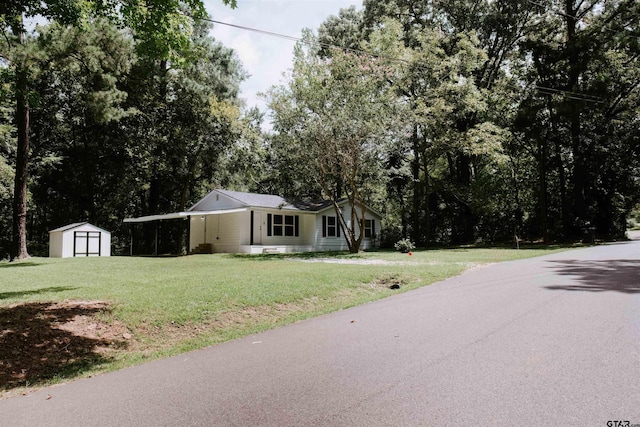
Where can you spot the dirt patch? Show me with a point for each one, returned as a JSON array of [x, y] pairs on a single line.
[[43, 340], [389, 282]]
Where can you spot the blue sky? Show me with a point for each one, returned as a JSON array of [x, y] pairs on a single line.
[[265, 57]]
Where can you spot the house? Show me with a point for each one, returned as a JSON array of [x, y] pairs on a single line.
[[79, 239], [236, 222]]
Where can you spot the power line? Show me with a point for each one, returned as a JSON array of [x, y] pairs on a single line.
[[579, 96], [545, 90], [255, 30], [300, 39], [559, 12]]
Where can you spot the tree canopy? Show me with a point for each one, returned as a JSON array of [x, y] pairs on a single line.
[[463, 121]]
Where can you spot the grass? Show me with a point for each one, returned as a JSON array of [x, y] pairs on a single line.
[[172, 305]]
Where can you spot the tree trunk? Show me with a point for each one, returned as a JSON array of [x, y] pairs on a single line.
[[542, 172], [417, 194], [19, 242], [468, 218], [579, 176]]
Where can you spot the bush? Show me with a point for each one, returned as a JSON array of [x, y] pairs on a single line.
[[404, 245]]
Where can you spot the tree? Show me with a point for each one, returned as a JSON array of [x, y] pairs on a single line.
[[77, 145], [160, 25], [584, 65], [103, 130], [334, 115], [7, 135], [188, 117]]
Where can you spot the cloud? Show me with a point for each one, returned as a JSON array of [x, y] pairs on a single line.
[[267, 57], [247, 51]]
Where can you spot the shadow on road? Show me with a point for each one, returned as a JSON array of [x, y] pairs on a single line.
[[38, 342], [599, 276]]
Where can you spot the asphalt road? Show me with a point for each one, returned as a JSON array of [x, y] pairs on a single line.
[[540, 342]]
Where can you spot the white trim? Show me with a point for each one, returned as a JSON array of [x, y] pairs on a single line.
[[178, 215]]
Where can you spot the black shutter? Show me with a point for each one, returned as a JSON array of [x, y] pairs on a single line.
[[338, 227], [296, 225], [373, 228], [324, 226], [251, 230], [268, 224]]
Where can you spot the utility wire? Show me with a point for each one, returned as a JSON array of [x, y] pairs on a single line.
[[300, 39], [545, 90], [559, 12]]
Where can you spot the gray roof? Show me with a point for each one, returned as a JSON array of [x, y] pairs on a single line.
[[258, 200], [275, 202], [313, 206]]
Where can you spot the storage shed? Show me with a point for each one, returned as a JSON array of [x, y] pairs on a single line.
[[79, 239]]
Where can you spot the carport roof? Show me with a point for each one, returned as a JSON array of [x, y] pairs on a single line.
[[179, 215]]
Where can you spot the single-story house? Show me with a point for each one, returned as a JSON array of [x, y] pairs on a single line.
[[237, 222], [79, 239]]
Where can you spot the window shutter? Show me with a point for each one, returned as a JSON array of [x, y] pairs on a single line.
[[373, 228], [338, 227], [296, 225], [324, 226], [268, 224]]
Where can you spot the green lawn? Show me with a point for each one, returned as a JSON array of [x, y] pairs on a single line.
[[165, 306]]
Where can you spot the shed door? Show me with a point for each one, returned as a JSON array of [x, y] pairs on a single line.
[[257, 228], [87, 243]]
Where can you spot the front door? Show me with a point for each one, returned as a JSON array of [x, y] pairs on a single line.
[[257, 228]]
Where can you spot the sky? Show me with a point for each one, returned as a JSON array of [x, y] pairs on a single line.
[[265, 57]]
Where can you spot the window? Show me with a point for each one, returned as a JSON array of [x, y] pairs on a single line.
[[288, 225], [277, 225], [369, 228], [330, 226], [283, 225]]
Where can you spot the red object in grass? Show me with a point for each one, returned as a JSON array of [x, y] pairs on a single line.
[[410, 253]]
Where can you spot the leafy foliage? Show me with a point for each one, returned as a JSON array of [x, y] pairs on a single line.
[[332, 116]]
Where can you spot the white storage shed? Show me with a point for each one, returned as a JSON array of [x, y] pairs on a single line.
[[79, 239]]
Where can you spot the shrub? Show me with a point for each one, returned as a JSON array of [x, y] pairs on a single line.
[[404, 245]]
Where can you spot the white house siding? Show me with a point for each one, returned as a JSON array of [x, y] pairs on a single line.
[[196, 231], [305, 223], [215, 201], [330, 243], [223, 231], [232, 232]]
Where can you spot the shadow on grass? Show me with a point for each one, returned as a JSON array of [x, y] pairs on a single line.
[[621, 275], [300, 255], [348, 255], [34, 347], [19, 294], [522, 247], [18, 264]]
